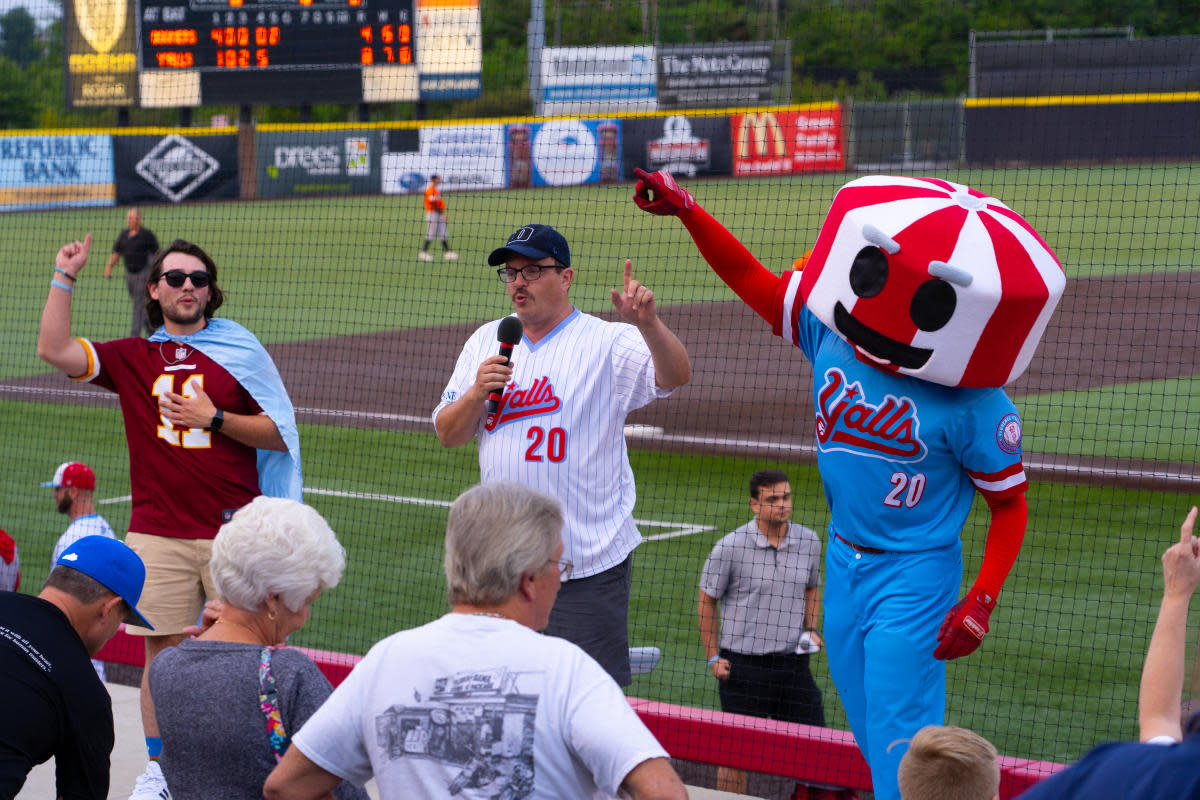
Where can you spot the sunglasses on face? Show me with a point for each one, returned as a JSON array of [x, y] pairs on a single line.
[[175, 278]]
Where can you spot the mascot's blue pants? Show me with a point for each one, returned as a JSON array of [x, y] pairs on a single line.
[[882, 614]]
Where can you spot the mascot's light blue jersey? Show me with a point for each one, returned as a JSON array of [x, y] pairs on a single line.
[[900, 458]]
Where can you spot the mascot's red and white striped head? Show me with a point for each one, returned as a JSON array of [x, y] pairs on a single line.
[[932, 279]]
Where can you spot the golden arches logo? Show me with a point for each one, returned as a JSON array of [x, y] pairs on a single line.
[[756, 128], [101, 22]]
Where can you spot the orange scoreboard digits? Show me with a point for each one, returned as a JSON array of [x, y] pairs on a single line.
[[330, 40]]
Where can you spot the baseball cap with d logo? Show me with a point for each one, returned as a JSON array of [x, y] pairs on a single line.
[[536, 242]]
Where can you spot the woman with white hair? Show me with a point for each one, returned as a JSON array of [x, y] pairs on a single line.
[[228, 701]]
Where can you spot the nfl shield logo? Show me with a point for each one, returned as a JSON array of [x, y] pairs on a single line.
[[180, 352]]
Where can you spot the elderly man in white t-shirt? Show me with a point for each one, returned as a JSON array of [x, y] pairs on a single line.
[[477, 703]]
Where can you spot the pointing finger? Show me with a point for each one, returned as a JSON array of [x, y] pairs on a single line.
[[628, 273], [1185, 530]]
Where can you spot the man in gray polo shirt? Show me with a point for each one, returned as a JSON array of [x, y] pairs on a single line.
[[765, 578]]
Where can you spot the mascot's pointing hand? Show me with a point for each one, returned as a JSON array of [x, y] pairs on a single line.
[[668, 199]]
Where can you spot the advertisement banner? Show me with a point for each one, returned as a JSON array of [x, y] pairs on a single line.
[[597, 80], [292, 163], [175, 168], [449, 49], [685, 146], [563, 152], [783, 142], [718, 75], [101, 53], [465, 156], [56, 172]]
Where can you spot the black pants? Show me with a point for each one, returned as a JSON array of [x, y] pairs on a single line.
[[775, 686], [593, 612]]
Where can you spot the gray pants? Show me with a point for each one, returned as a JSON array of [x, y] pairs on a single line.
[[593, 612], [135, 283]]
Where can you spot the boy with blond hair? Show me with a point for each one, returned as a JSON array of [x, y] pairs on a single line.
[[948, 763]]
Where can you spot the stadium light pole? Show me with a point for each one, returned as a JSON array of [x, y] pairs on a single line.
[[535, 42]]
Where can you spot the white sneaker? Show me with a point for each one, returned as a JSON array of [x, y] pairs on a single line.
[[450, 255], [424, 255], [151, 785]]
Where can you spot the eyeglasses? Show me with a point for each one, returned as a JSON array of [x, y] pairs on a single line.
[[530, 272], [175, 278], [565, 568]]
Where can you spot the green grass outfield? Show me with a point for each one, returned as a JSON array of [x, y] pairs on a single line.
[[1058, 674], [300, 269]]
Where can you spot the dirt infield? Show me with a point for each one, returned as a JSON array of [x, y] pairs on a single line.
[[751, 392]]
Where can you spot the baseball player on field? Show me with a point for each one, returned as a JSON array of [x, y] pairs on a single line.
[[919, 300], [559, 424]]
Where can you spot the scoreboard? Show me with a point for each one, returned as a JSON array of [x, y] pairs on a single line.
[[277, 52]]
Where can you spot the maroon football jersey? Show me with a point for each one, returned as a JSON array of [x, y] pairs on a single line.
[[182, 479]]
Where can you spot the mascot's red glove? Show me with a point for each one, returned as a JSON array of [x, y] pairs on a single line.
[[669, 199], [965, 625]]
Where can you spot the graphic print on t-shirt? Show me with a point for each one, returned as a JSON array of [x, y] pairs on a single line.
[[477, 724]]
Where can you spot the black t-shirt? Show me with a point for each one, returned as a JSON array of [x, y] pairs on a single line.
[[52, 701], [137, 250]]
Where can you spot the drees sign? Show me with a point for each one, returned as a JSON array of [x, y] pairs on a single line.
[[317, 162]]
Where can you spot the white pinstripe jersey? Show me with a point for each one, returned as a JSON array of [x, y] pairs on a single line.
[[560, 427]]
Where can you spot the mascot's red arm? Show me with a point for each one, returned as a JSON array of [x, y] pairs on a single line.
[[967, 622], [657, 193]]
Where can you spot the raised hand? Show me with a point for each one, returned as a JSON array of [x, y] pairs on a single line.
[[635, 302], [73, 255], [668, 199]]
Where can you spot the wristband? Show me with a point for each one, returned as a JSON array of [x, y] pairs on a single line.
[[65, 274], [812, 630], [712, 660], [61, 285]]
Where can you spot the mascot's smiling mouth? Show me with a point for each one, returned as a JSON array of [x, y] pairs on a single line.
[[876, 345]]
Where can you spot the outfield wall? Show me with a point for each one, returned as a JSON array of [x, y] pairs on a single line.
[[60, 169]]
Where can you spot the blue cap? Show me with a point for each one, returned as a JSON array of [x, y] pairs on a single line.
[[536, 242], [111, 563]]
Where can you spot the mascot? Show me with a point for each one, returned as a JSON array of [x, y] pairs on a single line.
[[920, 299]]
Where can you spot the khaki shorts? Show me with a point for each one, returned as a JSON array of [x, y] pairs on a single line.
[[177, 582]]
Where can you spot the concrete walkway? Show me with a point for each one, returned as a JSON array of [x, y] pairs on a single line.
[[129, 757]]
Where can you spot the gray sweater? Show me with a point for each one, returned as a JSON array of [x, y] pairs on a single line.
[[214, 733]]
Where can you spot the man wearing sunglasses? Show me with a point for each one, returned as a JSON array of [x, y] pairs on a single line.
[[209, 427], [559, 419]]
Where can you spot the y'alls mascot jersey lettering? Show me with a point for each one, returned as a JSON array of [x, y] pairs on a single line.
[[919, 300]]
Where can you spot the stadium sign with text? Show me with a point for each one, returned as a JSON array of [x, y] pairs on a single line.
[[100, 52], [465, 156], [597, 80], [685, 146], [307, 163], [718, 75], [783, 142], [56, 172]]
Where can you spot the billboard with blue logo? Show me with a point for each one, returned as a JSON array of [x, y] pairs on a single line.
[[465, 156], [562, 152]]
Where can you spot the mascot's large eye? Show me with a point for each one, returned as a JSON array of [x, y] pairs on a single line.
[[932, 304], [869, 272]]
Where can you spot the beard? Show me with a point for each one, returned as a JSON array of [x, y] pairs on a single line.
[[173, 314], [64, 505]]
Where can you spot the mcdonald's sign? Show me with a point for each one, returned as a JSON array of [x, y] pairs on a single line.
[[783, 142]]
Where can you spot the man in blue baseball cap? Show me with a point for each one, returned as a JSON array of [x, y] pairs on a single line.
[[54, 703], [553, 419]]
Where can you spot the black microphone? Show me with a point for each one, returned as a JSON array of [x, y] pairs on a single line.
[[509, 334]]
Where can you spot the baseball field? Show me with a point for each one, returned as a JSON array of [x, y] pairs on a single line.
[[366, 336]]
